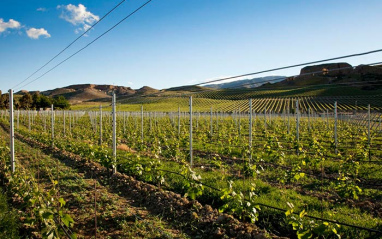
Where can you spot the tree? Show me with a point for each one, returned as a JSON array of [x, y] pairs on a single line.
[[36, 100], [26, 101], [61, 102], [2, 106], [45, 101], [41, 101], [4, 101]]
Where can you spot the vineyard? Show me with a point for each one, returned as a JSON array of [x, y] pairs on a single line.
[[281, 167], [187, 119], [237, 100]]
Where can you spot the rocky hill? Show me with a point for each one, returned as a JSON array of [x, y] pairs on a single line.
[[363, 76], [91, 92]]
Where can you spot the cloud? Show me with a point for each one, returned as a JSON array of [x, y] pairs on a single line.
[[31, 32], [78, 16], [41, 9], [11, 24], [130, 83], [36, 33]]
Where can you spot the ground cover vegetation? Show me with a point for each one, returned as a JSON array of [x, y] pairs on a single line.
[[282, 180], [49, 199]]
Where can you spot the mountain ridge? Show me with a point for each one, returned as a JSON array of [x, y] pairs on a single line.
[[360, 77]]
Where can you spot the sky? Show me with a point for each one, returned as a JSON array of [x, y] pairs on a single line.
[[172, 43]]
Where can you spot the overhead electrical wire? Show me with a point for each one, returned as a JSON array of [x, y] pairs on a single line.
[[157, 94], [291, 66], [305, 74], [84, 33], [83, 48], [203, 83]]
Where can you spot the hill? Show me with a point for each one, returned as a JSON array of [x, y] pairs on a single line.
[[146, 90], [248, 83], [90, 92], [363, 76], [334, 79]]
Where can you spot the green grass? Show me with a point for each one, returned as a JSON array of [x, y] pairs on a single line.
[[277, 101], [268, 190], [9, 225]]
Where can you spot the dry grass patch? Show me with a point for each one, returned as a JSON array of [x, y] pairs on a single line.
[[126, 148]]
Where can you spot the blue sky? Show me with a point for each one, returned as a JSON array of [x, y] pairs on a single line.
[[178, 42]]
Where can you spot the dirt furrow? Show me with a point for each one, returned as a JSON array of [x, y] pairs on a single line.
[[85, 196], [190, 216]]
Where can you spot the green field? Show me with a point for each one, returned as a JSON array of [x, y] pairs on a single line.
[[336, 180], [312, 98]]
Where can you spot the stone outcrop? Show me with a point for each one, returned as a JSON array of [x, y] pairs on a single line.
[[330, 69]]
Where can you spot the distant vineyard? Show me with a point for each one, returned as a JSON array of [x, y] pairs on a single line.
[[271, 104]]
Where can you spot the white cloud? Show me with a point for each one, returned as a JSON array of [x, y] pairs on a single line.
[[11, 24], [78, 16], [130, 83], [36, 33], [41, 9]]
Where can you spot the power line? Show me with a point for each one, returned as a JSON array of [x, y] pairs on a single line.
[[157, 96], [91, 27], [83, 48], [291, 66], [213, 90], [344, 84], [306, 74]]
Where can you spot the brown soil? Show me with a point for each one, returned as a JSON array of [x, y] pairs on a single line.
[[193, 218]]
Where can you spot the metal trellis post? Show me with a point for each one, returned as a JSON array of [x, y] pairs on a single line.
[[64, 122], [211, 126], [335, 126], [250, 130], [297, 126], [368, 130], [52, 115], [100, 125], [178, 121], [142, 123], [114, 135], [191, 131], [11, 132]]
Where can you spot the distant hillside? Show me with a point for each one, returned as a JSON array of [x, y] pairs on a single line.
[[188, 88], [146, 90], [91, 92], [250, 83], [363, 76], [331, 73], [332, 79]]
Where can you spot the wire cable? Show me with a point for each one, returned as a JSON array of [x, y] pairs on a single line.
[[307, 74], [83, 48], [147, 99], [91, 27], [291, 66]]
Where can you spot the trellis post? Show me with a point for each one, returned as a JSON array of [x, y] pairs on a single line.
[[191, 131], [11, 131], [335, 126], [52, 118], [297, 126], [114, 135], [250, 130], [100, 125]]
